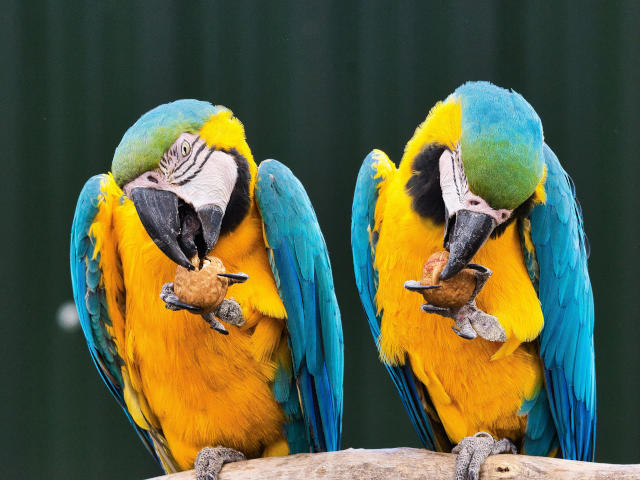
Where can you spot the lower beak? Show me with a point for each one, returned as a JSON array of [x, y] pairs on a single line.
[[177, 230], [469, 232]]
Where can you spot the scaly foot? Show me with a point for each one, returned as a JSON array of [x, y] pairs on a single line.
[[229, 310], [172, 302], [473, 451], [210, 460]]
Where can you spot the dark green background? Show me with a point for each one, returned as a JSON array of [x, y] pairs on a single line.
[[317, 85]]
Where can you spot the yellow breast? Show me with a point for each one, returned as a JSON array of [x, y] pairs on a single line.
[[200, 388], [474, 384]]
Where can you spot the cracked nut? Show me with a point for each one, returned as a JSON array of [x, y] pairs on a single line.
[[454, 292], [202, 287]]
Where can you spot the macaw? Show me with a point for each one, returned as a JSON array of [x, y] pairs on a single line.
[[478, 179], [183, 184]]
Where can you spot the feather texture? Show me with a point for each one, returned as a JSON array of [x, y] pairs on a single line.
[[300, 263], [89, 296], [363, 245], [566, 341]]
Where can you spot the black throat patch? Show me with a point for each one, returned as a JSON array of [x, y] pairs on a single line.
[[239, 202], [424, 184]]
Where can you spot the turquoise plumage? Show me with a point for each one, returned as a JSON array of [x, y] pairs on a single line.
[[90, 301], [300, 264], [564, 289]]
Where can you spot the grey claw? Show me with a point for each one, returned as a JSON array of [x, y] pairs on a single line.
[[172, 302], [428, 308], [214, 323], [415, 286], [465, 332], [482, 276], [235, 277], [479, 268]]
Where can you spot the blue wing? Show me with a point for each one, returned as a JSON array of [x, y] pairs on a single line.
[[363, 244], [566, 341], [300, 265], [89, 296]]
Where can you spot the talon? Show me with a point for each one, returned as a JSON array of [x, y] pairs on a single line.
[[428, 308], [467, 334], [172, 302], [214, 323], [479, 268], [235, 277], [415, 286]]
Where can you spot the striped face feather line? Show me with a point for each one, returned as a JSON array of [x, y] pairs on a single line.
[[197, 174]]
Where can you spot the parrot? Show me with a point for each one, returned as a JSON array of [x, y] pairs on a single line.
[[183, 184], [478, 179]]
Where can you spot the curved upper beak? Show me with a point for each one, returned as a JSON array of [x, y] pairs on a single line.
[[465, 233], [179, 232]]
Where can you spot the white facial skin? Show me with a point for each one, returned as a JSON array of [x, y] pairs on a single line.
[[456, 193], [196, 174]]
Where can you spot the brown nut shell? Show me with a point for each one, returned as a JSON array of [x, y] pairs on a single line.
[[202, 288], [453, 293]]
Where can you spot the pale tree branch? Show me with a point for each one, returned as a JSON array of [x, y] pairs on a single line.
[[410, 464]]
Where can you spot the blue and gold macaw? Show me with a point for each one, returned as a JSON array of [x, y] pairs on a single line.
[[478, 174], [184, 183]]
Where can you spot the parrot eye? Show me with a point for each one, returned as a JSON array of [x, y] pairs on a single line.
[[186, 148], [504, 216]]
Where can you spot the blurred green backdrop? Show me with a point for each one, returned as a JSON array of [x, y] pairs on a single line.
[[317, 85]]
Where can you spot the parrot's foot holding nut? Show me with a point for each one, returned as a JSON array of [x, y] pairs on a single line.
[[172, 302], [470, 320], [210, 460], [473, 451]]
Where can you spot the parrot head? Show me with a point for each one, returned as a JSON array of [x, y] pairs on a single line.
[[187, 168], [490, 176]]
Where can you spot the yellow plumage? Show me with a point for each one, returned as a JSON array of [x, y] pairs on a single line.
[[474, 385], [183, 380]]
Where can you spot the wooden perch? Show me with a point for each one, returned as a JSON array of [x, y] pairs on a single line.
[[409, 464]]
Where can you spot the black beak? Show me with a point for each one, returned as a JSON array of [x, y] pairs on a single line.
[[158, 212], [210, 217], [176, 228], [464, 235]]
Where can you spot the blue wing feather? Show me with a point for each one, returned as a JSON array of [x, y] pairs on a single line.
[[363, 248], [300, 264], [90, 299], [566, 341]]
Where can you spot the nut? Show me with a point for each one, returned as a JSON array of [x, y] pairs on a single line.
[[203, 287], [454, 292]]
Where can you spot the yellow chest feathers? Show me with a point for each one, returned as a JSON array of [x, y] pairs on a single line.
[[462, 376], [197, 386]]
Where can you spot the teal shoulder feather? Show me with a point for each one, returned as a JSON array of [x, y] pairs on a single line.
[[300, 264], [566, 341]]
